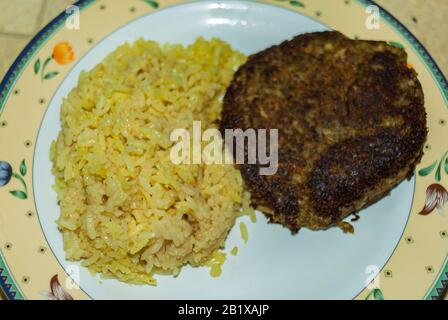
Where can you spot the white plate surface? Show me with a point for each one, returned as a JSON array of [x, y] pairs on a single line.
[[273, 264]]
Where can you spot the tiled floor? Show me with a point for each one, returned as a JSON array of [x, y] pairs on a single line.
[[19, 21], [428, 21]]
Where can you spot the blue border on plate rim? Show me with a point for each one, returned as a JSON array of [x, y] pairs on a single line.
[[440, 284], [8, 284]]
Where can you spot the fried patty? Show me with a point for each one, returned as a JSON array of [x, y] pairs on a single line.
[[351, 125]]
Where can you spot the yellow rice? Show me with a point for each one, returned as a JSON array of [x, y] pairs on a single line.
[[127, 211], [244, 233]]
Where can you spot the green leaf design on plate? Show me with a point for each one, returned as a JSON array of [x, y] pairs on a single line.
[[377, 294], [152, 3], [51, 75], [19, 177], [425, 171], [396, 44], [23, 168], [37, 66], [297, 4], [19, 194], [438, 172], [446, 165], [44, 66], [47, 61]]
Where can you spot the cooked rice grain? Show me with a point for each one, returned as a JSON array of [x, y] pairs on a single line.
[[127, 211]]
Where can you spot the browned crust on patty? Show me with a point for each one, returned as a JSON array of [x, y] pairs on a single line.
[[351, 123]]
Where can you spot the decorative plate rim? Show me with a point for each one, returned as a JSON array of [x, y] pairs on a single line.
[[9, 286]]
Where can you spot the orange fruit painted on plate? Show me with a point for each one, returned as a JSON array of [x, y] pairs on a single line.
[[63, 53]]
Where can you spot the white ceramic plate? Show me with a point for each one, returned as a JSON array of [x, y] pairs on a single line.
[[390, 237], [274, 264]]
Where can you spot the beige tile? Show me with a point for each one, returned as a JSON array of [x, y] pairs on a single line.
[[19, 16], [52, 9], [9, 50], [427, 21]]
